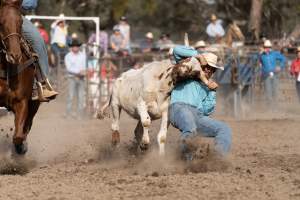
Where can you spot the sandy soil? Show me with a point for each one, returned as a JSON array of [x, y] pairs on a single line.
[[72, 159]]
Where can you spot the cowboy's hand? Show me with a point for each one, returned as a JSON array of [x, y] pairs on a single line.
[[212, 85], [201, 59], [277, 69]]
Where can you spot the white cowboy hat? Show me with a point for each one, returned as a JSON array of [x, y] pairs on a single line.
[[212, 60], [200, 43], [267, 43], [298, 49], [149, 35]]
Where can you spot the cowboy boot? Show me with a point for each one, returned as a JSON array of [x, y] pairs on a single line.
[[48, 91], [38, 93]]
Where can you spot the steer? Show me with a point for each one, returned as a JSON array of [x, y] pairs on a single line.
[[145, 95]]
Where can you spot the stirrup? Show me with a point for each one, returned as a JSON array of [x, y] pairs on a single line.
[[41, 92], [48, 85]]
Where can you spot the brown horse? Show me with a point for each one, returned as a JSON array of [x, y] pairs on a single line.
[[17, 72]]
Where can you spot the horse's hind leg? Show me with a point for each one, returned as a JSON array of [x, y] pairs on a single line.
[[21, 113]]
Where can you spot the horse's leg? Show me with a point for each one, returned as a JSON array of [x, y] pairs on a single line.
[[162, 135], [116, 111], [21, 113], [146, 122], [33, 107]]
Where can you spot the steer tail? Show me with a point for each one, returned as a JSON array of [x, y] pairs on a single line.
[[102, 112]]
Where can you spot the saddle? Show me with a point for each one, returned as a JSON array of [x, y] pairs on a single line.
[[7, 73]]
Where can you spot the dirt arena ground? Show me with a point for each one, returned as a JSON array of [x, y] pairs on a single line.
[[72, 159]]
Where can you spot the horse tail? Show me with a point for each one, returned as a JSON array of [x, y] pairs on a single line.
[[101, 114]]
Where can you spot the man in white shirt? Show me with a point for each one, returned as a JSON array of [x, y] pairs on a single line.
[[214, 29], [75, 62]]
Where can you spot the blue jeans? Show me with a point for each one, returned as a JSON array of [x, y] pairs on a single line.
[[271, 89], [298, 89], [32, 35], [76, 87], [190, 121]]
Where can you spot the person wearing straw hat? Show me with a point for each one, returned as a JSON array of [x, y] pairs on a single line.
[[214, 29], [147, 44], [295, 71], [75, 62], [59, 34], [200, 46], [191, 104], [270, 71]]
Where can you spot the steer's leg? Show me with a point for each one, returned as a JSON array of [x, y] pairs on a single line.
[[162, 135], [116, 111], [146, 121]]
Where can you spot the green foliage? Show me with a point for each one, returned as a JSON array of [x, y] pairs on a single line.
[[173, 16]]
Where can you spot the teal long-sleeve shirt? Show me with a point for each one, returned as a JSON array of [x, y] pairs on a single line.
[[195, 94]]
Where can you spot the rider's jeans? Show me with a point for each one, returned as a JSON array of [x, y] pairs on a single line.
[[31, 34], [271, 90], [190, 121], [76, 89]]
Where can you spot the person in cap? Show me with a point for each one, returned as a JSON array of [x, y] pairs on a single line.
[[33, 36], [215, 30], [147, 44], [270, 71], [193, 101], [125, 31], [200, 46], [75, 62], [295, 71], [117, 41], [42, 31], [59, 36]]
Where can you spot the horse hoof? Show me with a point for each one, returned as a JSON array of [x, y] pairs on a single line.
[[144, 147], [21, 149]]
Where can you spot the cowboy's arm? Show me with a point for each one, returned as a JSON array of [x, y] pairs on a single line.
[[281, 59], [181, 52], [209, 103]]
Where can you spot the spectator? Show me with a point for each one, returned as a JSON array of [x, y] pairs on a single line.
[[103, 38], [42, 31], [200, 46], [75, 62], [270, 71], [214, 29], [108, 72], [164, 42], [59, 37], [125, 31], [147, 44], [295, 71], [117, 41]]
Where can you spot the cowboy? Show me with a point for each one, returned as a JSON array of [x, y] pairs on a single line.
[[270, 72], [200, 46], [59, 37], [214, 29], [75, 62], [193, 101], [147, 44], [32, 35], [295, 71]]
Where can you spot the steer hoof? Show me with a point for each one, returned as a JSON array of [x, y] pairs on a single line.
[[21, 149]]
